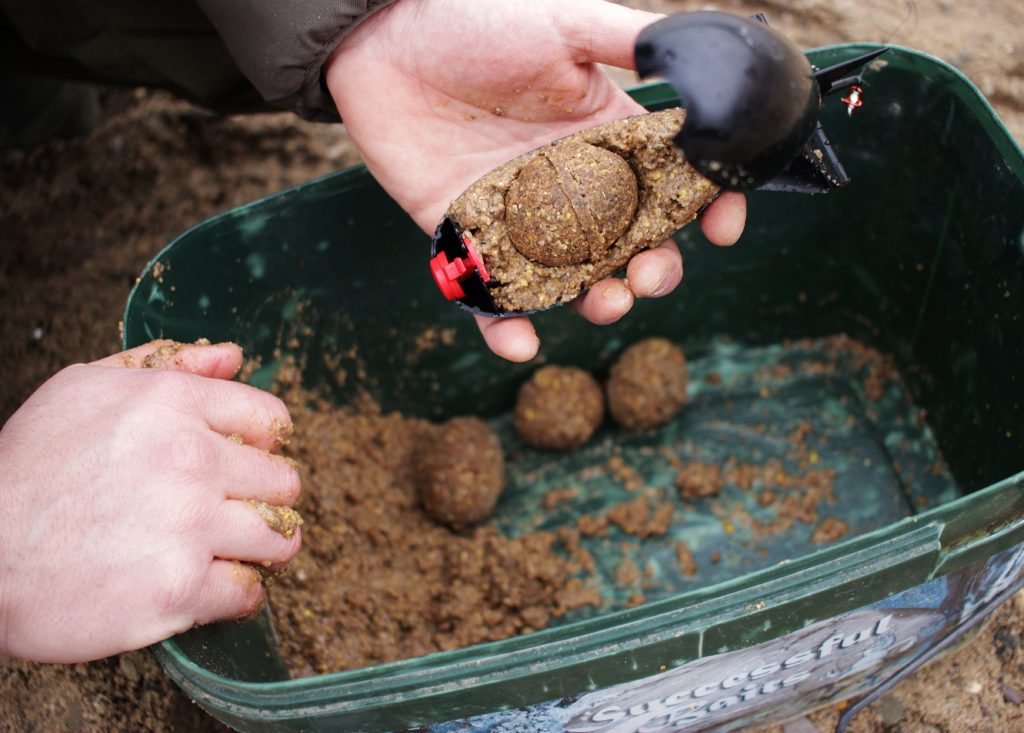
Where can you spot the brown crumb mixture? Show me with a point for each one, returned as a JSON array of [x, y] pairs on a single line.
[[638, 518], [557, 496], [282, 519], [163, 355], [766, 497], [627, 574], [624, 474], [282, 432], [582, 560], [795, 498], [636, 599], [800, 433], [684, 556], [697, 480], [830, 530], [429, 339], [591, 526], [347, 602], [881, 367]]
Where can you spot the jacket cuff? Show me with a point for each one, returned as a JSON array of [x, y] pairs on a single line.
[[282, 47]]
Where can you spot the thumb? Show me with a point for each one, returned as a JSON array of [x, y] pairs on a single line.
[[218, 361], [602, 32]]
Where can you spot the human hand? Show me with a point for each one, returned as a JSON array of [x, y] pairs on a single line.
[[435, 93], [124, 508]]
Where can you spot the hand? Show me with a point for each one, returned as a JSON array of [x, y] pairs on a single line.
[[436, 93], [124, 511]]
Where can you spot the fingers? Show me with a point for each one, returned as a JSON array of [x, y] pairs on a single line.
[[232, 408], [231, 590], [246, 472], [656, 272], [605, 302], [244, 533], [723, 221], [510, 338], [219, 361], [602, 32], [650, 274]]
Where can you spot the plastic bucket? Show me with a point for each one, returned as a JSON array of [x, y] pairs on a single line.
[[922, 257]]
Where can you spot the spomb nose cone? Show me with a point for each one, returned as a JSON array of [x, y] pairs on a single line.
[[751, 101]]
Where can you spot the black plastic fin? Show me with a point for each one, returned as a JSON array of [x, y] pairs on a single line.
[[816, 170], [836, 77]]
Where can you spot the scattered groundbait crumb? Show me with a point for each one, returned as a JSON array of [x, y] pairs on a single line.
[[557, 496], [639, 518], [160, 358], [697, 480], [684, 556], [830, 530], [282, 432], [283, 520]]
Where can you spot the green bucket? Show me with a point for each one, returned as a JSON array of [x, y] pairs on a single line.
[[921, 257]]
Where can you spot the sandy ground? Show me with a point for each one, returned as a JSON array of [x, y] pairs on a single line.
[[79, 219]]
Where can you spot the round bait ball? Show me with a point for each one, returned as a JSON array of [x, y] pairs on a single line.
[[569, 203], [647, 385], [461, 473], [558, 408]]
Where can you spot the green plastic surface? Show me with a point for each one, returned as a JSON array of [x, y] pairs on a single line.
[[921, 256]]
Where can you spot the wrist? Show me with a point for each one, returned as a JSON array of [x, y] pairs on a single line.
[[8, 542], [335, 70]]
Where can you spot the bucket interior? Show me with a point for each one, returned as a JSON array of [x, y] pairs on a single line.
[[919, 260]]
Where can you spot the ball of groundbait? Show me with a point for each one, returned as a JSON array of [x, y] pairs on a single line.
[[558, 408], [461, 472], [568, 204], [647, 385]]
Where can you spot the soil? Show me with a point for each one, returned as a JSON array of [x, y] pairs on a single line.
[[81, 218], [647, 384], [558, 408], [670, 194]]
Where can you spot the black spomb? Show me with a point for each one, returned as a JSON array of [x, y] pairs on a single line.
[[752, 100]]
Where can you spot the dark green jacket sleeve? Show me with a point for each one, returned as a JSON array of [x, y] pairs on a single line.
[[281, 46], [233, 55]]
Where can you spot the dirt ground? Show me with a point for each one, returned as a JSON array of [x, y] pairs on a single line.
[[79, 219]]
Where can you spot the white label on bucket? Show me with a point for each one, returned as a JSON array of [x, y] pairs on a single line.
[[816, 664]]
